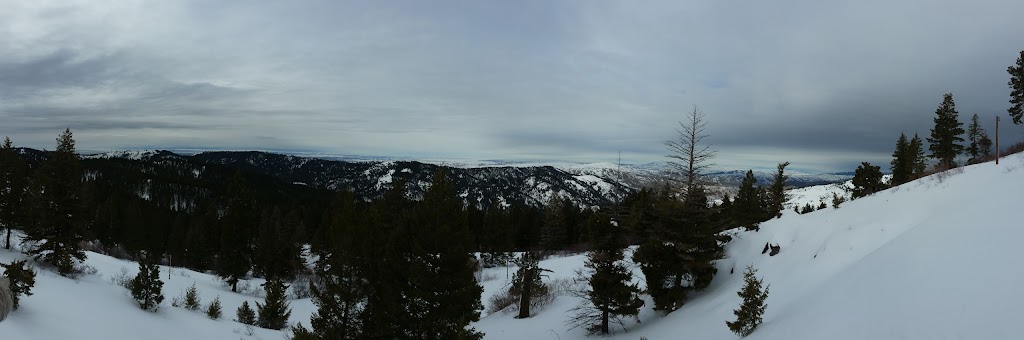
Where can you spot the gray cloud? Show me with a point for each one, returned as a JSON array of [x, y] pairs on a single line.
[[824, 85]]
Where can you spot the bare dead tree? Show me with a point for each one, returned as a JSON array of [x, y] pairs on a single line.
[[689, 153]]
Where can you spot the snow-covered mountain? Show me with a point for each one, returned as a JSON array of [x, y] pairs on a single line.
[[507, 182]]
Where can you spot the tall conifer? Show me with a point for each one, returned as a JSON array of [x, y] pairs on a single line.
[[13, 180], [1016, 83], [59, 227], [902, 162], [945, 139]]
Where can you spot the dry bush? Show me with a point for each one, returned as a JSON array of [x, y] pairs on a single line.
[[1013, 149], [122, 279], [555, 288]]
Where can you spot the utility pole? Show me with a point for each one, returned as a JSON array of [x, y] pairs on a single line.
[[997, 139]]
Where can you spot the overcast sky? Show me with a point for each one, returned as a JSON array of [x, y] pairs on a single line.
[[822, 84]]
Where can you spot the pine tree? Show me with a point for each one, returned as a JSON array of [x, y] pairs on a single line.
[[147, 288], [214, 309], [678, 255], [1016, 84], [748, 316], [975, 133], [191, 298], [441, 294], [58, 225], [867, 179], [777, 191], [275, 254], [984, 146], [274, 314], [917, 156], [901, 165], [233, 260], [945, 138], [527, 283], [609, 295], [552, 232], [343, 297], [386, 271], [21, 278], [13, 178], [748, 208], [245, 314]]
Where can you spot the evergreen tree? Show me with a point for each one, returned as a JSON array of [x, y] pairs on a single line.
[[191, 298], [945, 138], [275, 255], [553, 231], [233, 260], [214, 310], [274, 314], [748, 316], [245, 314], [386, 272], [917, 156], [147, 288], [1016, 83], [777, 191], [975, 133], [527, 283], [984, 146], [902, 162], [749, 212], [21, 278], [679, 253], [58, 223], [342, 298], [609, 295], [13, 181], [867, 179], [441, 294]]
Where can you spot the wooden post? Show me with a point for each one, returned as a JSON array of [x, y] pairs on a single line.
[[997, 140]]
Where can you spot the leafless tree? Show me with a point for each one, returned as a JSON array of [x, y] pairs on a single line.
[[690, 154]]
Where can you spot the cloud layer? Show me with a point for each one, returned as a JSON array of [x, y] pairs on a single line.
[[821, 84]]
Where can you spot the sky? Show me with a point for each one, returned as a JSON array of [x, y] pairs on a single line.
[[824, 85]]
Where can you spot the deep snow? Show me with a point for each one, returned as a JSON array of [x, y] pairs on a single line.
[[937, 258]]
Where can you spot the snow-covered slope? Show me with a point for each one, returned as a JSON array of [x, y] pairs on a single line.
[[94, 307], [937, 258]]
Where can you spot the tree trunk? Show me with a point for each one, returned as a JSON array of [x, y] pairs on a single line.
[[524, 299], [604, 322]]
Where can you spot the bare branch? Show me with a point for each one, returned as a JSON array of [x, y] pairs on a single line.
[[689, 155]]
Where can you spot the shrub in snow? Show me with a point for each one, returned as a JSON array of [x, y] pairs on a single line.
[[274, 314], [191, 300], [146, 287], [213, 310], [21, 278], [245, 314], [750, 312], [837, 200]]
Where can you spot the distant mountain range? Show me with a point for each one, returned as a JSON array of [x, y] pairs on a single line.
[[505, 182]]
